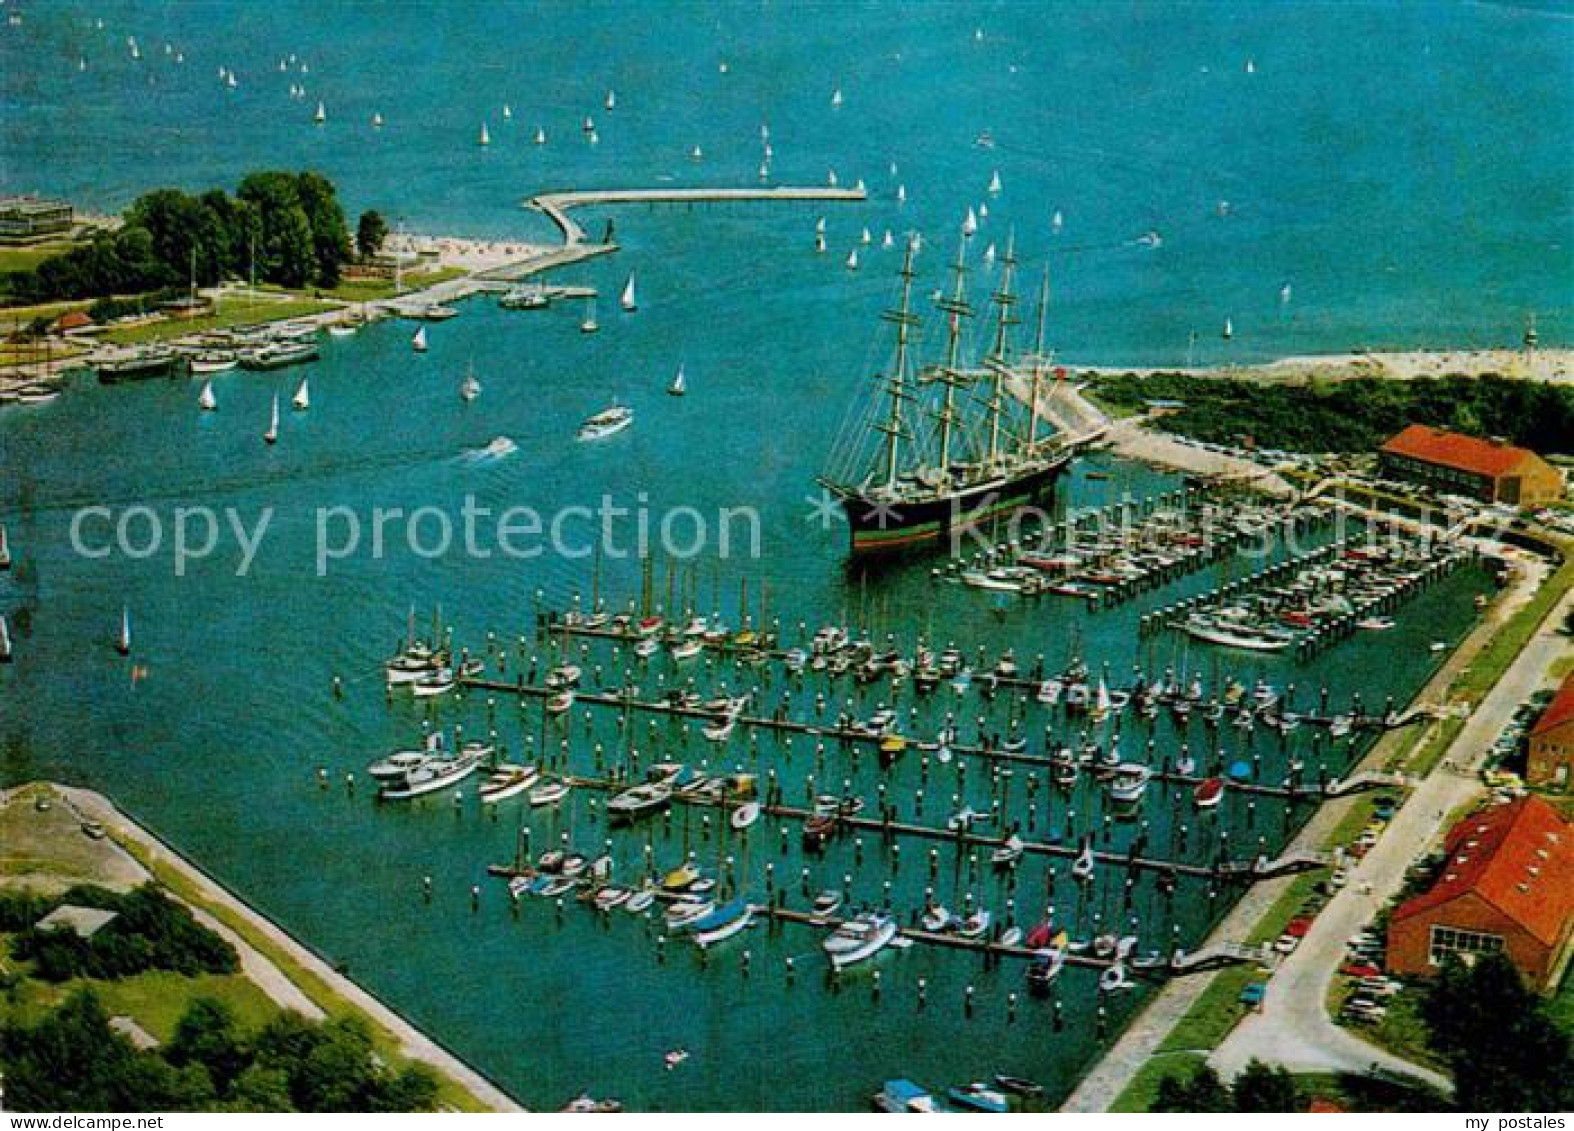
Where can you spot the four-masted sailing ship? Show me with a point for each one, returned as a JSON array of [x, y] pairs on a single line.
[[945, 446]]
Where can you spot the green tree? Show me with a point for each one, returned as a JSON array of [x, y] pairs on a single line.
[[371, 231], [208, 1035], [1260, 1088], [260, 1089], [1202, 1091], [330, 238], [1503, 1050]]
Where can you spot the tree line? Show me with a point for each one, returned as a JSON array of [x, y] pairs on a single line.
[[1356, 415], [72, 1060], [150, 931], [279, 227]]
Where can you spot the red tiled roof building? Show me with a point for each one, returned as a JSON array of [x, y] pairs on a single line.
[[1551, 762], [1507, 887], [1456, 464]]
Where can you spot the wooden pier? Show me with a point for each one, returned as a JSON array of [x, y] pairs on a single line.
[[556, 206]]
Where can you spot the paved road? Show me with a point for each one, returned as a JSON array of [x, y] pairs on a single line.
[[1294, 1028]]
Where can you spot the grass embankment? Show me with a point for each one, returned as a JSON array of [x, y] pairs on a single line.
[[450, 1092], [229, 312]]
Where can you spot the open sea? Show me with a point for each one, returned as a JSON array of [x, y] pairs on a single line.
[[1402, 168]]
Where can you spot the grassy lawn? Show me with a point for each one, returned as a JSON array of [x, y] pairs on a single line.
[[27, 258], [1144, 1087], [155, 1000], [230, 312], [450, 1093], [372, 290]]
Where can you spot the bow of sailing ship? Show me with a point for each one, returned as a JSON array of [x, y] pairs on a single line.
[[943, 447]]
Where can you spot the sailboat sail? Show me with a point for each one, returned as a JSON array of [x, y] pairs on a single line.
[[123, 641], [419, 341], [628, 300], [206, 400], [303, 398], [272, 434], [678, 386]]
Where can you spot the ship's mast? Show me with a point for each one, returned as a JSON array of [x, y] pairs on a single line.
[[1038, 358], [956, 308], [897, 386], [1005, 304]]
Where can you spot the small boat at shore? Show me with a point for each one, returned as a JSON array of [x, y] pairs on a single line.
[[978, 1097], [277, 355], [1214, 631], [903, 1097], [548, 793], [213, 361]]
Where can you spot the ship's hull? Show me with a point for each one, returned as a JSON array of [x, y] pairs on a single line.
[[877, 526]]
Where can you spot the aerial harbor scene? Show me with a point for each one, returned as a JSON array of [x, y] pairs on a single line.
[[778, 556]]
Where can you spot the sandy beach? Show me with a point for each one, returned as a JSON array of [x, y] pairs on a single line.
[[1552, 365]]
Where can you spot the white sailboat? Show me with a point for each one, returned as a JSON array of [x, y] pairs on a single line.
[[418, 343], [888, 241], [612, 100], [970, 223], [678, 386], [541, 136], [1284, 294], [589, 125], [5, 550], [590, 325], [852, 260], [206, 401], [983, 211], [271, 436], [866, 238], [989, 256], [696, 153], [5, 641], [508, 112], [1229, 330], [469, 388], [994, 184], [836, 97], [322, 114], [303, 398], [627, 300], [123, 641], [901, 194], [377, 121], [1057, 222], [819, 243], [485, 138]]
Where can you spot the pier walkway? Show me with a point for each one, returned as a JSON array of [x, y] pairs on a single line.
[[577, 245]]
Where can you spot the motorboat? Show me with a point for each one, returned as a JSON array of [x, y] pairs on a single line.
[[979, 1097], [1008, 853], [826, 904], [722, 923], [937, 919], [1130, 782], [507, 780], [684, 913], [859, 938], [548, 793], [396, 765], [607, 422], [639, 902], [431, 775], [643, 799], [1208, 793], [745, 815], [975, 926], [903, 1097]]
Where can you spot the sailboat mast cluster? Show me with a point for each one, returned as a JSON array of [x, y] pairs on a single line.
[[954, 442]]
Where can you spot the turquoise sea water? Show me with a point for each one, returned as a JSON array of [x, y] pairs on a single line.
[[1400, 168]]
